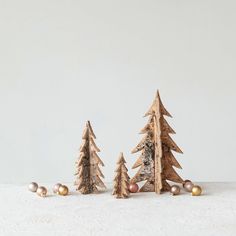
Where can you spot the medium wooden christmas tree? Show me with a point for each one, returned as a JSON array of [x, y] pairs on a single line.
[[156, 160], [121, 181], [88, 172]]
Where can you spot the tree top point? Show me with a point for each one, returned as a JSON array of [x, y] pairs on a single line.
[[157, 105], [88, 128], [121, 158]]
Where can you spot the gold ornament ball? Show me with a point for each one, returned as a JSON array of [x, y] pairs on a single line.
[[175, 190], [63, 190], [33, 187], [188, 186], [56, 188], [42, 191], [196, 190]]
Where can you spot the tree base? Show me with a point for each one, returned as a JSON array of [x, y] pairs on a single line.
[[149, 187]]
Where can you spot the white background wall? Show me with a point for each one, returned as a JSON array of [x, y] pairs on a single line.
[[63, 62]]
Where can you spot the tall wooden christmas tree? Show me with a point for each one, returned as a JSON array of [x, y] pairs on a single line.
[[121, 181], [156, 160], [88, 172]]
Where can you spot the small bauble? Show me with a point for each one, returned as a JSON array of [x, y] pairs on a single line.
[[133, 188], [185, 181], [42, 191], [196, 190], [188, 186], [63, 190], [175, 190], [56, 188], [33, 187]]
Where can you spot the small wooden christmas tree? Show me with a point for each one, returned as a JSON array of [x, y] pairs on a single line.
[[121, 181], [88, 172], [156, 160]]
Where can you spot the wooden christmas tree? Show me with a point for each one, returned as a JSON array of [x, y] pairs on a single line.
[[121, 181], [156, 160], [88, 172]]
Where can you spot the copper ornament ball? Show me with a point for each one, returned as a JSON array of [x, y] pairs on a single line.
[[33, 187], [42, 191], [188, 186], [63, 190], [133, 188], [175, 190], [56, 188], [196, 190]]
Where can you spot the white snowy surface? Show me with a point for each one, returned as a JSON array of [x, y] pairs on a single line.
[[24, 213]]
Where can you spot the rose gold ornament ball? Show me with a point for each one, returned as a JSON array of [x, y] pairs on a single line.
[[33, 187], [56, 188], [188, 186], [42, 191], [175, 190], [185, 181], [133, 188]]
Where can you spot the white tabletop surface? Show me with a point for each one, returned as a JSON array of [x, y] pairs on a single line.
[[212, 214]]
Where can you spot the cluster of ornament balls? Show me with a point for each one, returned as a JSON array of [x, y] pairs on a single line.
[[133, 188], [42, 191], [175, 189], [188, 186]]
